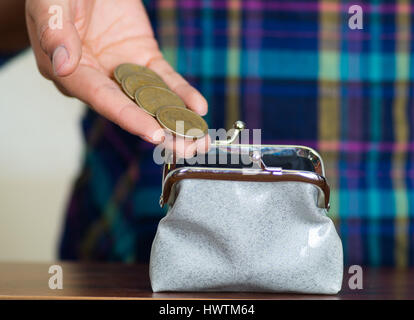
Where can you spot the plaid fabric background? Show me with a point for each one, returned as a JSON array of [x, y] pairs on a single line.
[[297, 71]]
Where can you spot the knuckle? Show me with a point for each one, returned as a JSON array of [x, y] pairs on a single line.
[[46, 37], [119, 117], [155, 60], [181, 85]]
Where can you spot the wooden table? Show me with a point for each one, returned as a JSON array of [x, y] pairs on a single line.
[[119, 281]]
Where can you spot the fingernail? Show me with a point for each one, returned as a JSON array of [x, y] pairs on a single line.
[[145, 138], [153, 141], [59, 59]]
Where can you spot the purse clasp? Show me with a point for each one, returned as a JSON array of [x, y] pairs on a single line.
[[258, 172]]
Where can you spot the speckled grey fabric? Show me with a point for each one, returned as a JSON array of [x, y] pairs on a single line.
[[246, 236]]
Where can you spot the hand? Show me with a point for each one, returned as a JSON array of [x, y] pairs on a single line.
[[95, 38]]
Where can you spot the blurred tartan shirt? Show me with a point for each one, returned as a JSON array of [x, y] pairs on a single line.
[[297, 71]]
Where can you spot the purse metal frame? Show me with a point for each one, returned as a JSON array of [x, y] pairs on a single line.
[[260, 172]]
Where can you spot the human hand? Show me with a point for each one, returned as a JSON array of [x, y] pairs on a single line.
[[95, 38]]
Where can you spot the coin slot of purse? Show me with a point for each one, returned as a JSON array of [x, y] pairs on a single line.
[[268, 164], [218, 159], [230, 174], [230, 161]]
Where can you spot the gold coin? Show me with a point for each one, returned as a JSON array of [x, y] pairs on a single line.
[[182, 122], [126, 69], [151, 98], [133, 82], [151, 73]]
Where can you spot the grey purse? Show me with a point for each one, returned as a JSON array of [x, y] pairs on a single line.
[[260, 227]]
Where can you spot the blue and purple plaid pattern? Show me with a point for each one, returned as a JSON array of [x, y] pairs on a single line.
[[297, 71]]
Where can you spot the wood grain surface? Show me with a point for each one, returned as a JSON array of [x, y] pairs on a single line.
[[121, 281]]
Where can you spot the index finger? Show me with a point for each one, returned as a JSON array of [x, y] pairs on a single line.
[[105, 97]]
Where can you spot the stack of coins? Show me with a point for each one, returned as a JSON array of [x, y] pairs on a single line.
[[153, 96]]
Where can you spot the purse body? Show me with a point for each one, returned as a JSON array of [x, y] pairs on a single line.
[[224, 235]]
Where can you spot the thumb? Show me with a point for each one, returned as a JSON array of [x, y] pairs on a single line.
[[53, 33]]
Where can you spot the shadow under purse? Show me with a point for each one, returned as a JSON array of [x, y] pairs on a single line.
[[256, 227]]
